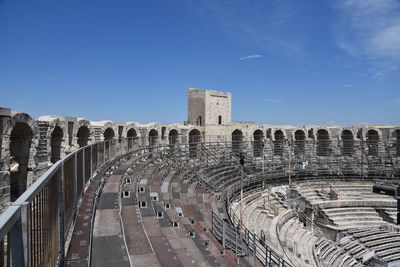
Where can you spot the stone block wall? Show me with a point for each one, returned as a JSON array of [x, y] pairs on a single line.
[[37, 143]]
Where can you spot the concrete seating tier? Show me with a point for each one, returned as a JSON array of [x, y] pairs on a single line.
[[297, 242], [392, 214], [160, 211], [317, 192], [363, 240], [330, 254], [166, 215]]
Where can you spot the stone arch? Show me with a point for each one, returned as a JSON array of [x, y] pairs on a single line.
[[372, 140], [153, 137], [280, 132], [347, 138], [83, 135], [299, 141], [258, 138], [194, 141], [323, 142], [365, 133], [279, 139], [173, 136], [131, 135], [55, 144], [21, 177], [394, 133], [86, 135], [20, 144], [348, 131], [237, 141], [108, 137], [21, 118], [108, 134]]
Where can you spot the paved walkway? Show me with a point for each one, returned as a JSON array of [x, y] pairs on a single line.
[[165, 224]]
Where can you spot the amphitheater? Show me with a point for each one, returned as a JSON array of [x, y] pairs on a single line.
[[206, 192]]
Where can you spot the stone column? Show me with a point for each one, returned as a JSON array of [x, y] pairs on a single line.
[[5, 115]]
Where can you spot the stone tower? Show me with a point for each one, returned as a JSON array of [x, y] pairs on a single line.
[[208, 107]]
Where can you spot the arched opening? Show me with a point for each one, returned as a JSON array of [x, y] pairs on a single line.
[[173, 137], [108, 136], [299, 142], [194, 141], [20, 144], [397, 133], [83, 136], [258, 145], [219, 120], [237, 139], [323, 143], [199, 120], [56, 140], [131, 135], [372, 142], [153, 137], [278, 143], [347, 143]]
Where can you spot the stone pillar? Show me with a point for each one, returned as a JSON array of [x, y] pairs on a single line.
[[5, 115], [144, 136], [184, 134]]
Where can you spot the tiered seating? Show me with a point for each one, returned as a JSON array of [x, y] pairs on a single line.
[[360, 241], [354, 217], [259, 209], [167, 200], [329, 254], [347, 205], [176, 216], [391, 214], [297, 241], [316, 192]]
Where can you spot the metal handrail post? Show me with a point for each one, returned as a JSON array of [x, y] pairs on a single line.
[[91, 160], [75, 182], [108, 150], [19, 238], [61, 216], [83, 166]]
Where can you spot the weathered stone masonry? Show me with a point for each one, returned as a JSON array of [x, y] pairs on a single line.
[[30, 146]]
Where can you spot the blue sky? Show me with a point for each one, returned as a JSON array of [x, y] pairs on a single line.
[[285, 62]]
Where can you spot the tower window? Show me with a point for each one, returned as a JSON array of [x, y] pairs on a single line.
[[219, 120]]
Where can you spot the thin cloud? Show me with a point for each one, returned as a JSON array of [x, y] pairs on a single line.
[[250, 57], [347, 85], [383, 70], [273, 100], [369, 28]]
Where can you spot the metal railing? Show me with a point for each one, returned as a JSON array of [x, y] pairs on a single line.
[[34, 228], [245, 243]]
